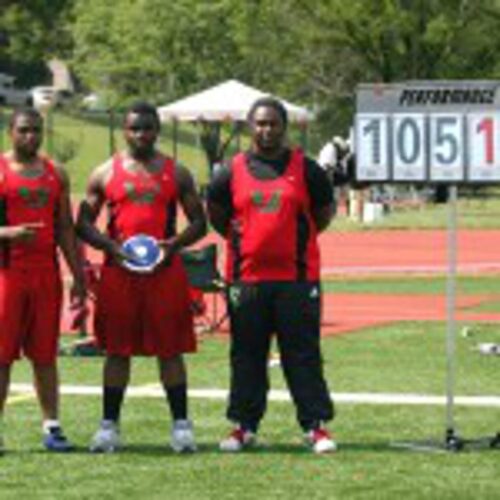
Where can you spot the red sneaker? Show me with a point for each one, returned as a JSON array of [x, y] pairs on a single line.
[[320, 441], [238, 440]]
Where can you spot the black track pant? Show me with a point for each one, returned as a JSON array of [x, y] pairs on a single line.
[[292, 312]]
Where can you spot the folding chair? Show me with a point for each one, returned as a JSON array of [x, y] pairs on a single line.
[[203, 274]]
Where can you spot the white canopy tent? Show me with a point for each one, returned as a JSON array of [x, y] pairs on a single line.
[[228, 101]]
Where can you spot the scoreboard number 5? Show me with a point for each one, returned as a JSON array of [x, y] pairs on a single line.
[[446, 147]]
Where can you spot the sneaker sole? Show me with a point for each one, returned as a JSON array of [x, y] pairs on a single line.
[[237, 449], [96, 449], [184, 449], [64, 449]]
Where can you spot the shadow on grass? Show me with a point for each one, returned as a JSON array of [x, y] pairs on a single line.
[[297, 449]]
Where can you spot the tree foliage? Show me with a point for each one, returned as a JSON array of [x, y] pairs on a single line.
[[391, 40], [314, 52], [32, 32], [148, 48]]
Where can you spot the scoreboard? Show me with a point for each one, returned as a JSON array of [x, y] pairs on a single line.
[[428, 131]]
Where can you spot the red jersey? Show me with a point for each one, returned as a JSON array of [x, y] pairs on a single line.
[[30, 199], [141, 203], [272, 236]]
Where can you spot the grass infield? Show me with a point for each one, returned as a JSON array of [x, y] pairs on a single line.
[[404, 358]]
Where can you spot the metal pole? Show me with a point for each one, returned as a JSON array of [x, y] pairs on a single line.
[[303, 135], [174, 138], [452, 441], [2, 129], [112, 145], [49, 130]]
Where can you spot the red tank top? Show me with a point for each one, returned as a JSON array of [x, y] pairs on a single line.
[[141, 203], [24, 200], [272, 235]]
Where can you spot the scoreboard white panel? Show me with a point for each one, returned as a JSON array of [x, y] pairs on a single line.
[[483, 131], [372, 147], [428, 131], [409, 147], [446, 147]]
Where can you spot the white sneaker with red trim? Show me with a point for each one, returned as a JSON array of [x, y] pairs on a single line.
[[238, 440], [320, 441]]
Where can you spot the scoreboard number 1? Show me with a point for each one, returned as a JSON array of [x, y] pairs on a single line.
[[484, 146], [373, 158]]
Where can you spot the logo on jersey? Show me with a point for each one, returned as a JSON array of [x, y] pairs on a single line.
[[235, 296], [144, 196], [266, 204], [34, 198]]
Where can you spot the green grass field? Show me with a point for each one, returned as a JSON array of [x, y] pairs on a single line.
[[402, 358], [469, 285]]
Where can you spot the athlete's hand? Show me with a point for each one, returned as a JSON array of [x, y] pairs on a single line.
[[78, 294], [170, 248], [77, 306], [23, 233], [120, 255]]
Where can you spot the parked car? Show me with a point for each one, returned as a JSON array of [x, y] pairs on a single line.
[[11, 95], [47, 97], [94, 102]]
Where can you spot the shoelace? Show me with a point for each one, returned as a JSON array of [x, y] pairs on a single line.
[[57, 434], [238, 434], [318, 434]]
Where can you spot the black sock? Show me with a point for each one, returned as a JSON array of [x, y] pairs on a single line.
[[310, 425], [250, 426], [112, 402], [177, 401]]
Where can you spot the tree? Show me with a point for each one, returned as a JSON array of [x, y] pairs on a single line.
[[151, 48], [314, 52], [345, 43], [32, 32]]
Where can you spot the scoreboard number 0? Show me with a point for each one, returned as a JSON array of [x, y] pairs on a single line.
[[408, 147]]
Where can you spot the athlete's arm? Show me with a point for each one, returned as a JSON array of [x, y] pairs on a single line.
[[192, 206], [219, 202], [89, 210], [320, 194], [66, 239], [21, 232]]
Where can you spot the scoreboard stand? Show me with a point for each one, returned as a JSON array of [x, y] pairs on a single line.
[[432, 133]]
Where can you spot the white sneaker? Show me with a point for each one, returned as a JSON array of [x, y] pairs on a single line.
[[182, 439], [320, 441], [106, 439], [238, 440]]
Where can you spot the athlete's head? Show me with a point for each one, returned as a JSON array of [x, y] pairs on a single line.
[[26, 132], [141, 127], [268, 120]]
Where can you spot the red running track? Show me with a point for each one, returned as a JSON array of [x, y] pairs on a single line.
[[397, 252]]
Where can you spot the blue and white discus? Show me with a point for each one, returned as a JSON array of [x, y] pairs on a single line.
[[146, 252]]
